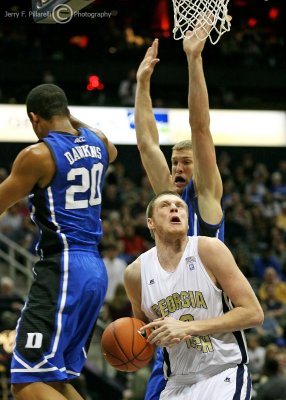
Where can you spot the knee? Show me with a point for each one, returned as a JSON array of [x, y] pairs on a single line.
[[24, 391], [17, 392], [58, 386]]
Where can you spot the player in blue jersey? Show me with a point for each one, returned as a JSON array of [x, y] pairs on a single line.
[[194, 175], [63, 175]]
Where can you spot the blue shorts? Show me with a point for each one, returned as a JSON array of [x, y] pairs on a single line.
[[58, 319], [157, 382]]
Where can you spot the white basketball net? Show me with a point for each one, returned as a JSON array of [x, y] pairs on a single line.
[[212, 13]]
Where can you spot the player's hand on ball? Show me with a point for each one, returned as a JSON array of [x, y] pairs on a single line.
[[167, 332]]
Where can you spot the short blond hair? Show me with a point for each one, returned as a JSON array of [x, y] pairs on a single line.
[[182, 145]]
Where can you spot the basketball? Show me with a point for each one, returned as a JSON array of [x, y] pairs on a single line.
[[124, 348]]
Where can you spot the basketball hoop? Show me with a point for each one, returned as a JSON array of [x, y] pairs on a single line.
[[212, 14]]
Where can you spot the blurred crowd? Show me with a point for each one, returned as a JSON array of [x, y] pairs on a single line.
[[255, 215], [254, 52]]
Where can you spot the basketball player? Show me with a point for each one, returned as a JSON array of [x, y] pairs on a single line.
[[63, 172], [194, 174], [199, 302]]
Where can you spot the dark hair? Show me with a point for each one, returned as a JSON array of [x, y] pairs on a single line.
[[271, 367], [47, 100], [150, 207]]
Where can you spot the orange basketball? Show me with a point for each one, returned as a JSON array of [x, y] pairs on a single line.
[[124, 348]]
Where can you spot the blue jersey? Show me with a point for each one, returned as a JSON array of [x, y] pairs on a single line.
[[67, 211], [197, 226]]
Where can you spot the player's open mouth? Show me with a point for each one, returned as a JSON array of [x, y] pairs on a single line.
[[179, 179], [175, 219]]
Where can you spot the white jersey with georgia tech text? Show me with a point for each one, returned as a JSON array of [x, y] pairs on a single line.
[[187, 294]]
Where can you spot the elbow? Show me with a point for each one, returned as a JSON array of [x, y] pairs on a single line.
[[258, 317], [142, 145]]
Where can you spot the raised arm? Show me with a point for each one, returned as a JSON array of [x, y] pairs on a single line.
[[152, 158], [206, 175]]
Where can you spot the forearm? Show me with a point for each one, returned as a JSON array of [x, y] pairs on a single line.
[[76, 123], [237, 319], [146, 129], [205, 174], [169, 331], [152, 157], [198, 100]]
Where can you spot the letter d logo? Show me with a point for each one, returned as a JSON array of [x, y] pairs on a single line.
[[34, 340]]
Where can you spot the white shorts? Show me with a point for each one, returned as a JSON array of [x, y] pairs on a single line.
[[233, 383]]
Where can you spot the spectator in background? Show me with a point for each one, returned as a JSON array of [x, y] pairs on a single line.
[[270, 207], [11, 222], [278, 244], [115, 267], [260, 225], [280, 220], [270, 331], [275, 386], [274, 308], [28, 235], [119, 306], [271, 279], [11, 304], [115, 174], [265, 260], [127, 89], [282, 170], [109, 234], [111, 198], [255, 190], [134, 244], [256, 354], [241, 178], [278, 188]]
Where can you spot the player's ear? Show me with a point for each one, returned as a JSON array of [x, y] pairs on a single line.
[[151, 227], [150, 223], [33, 117]]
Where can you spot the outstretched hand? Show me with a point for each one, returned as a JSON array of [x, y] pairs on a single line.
[[146, 67], [195, 40], [167, 332]]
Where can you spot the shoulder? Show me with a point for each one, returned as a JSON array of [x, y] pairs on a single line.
[[34, 153], [211, 244], [132, 278], [99, 134], [111, 149], [212, 252], [133, 270]]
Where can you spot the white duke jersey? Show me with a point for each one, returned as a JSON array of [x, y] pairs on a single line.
[[187, 294]]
